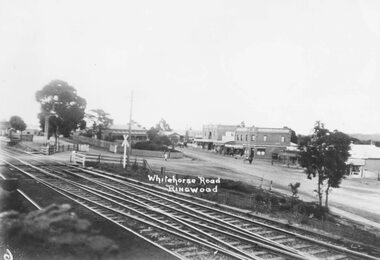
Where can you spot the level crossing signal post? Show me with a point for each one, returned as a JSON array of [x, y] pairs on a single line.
[[126, 146]]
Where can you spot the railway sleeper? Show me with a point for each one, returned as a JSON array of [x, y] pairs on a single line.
[[163, 239], [185, 249], [317, 251], [235, 222], [285, 240], [149, 229], [276, 238], [245, 247], [246, 225], [234, 243], [260, 253], [264, 232], [336, 257], [174, 244], [301, 246], [196, 253], [254, 229]]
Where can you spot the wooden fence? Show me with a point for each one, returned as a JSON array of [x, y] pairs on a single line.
[[50, 149], [94, 142], [85, 158]]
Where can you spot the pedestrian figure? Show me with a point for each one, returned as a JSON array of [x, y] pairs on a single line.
[[166, 156], [250, 158]]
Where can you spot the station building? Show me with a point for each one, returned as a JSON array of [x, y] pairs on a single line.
[[116, 132]]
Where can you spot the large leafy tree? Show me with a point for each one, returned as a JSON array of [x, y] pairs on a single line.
[[65, 109], [324, 157], [17, 123], [99, 120]]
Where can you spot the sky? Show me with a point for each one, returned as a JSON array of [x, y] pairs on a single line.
[[267, 63]]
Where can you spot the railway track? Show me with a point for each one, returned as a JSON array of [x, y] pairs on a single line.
[[187, 228]]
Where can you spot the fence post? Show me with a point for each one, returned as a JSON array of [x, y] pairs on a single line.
[[162, 172], [261, 183], [99, 159], [84, 161], [270, 186]]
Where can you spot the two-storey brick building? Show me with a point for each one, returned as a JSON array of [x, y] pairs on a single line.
[[263, 142], [214, 135]]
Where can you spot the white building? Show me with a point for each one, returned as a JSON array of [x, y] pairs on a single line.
[[364, 161]]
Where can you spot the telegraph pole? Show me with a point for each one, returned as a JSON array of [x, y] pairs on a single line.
[[129, 131]]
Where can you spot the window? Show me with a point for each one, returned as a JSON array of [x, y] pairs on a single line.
[[252, 137], [246, 137], [237, 137], [241, 137], [265, 138], [260, 151], [282, 139]]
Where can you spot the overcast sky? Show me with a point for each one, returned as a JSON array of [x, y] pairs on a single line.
[[268, 63]]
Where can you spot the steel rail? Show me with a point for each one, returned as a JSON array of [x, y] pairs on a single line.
[[24, 195], [186, 236], [302, 237], [182, 219], [200, 231], [338, 248], [261, 238], [148, 207], [250, 236]]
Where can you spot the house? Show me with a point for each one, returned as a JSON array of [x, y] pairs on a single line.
[[4, 126], [364, 161], [31, 130], [116, 132], [174, 136]]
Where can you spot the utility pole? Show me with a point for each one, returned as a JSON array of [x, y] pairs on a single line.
[[129, 131]]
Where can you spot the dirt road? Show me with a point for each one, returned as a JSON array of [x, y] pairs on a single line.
[[357, 199]]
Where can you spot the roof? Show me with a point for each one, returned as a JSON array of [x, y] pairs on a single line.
[[134, 126], [364, 151], [169, 133], [358, 162], [243, 129], [272, 130]]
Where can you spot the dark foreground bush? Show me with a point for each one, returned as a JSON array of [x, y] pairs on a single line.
[[53, 233]]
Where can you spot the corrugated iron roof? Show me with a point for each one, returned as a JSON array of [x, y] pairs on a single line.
[[364, 151]]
